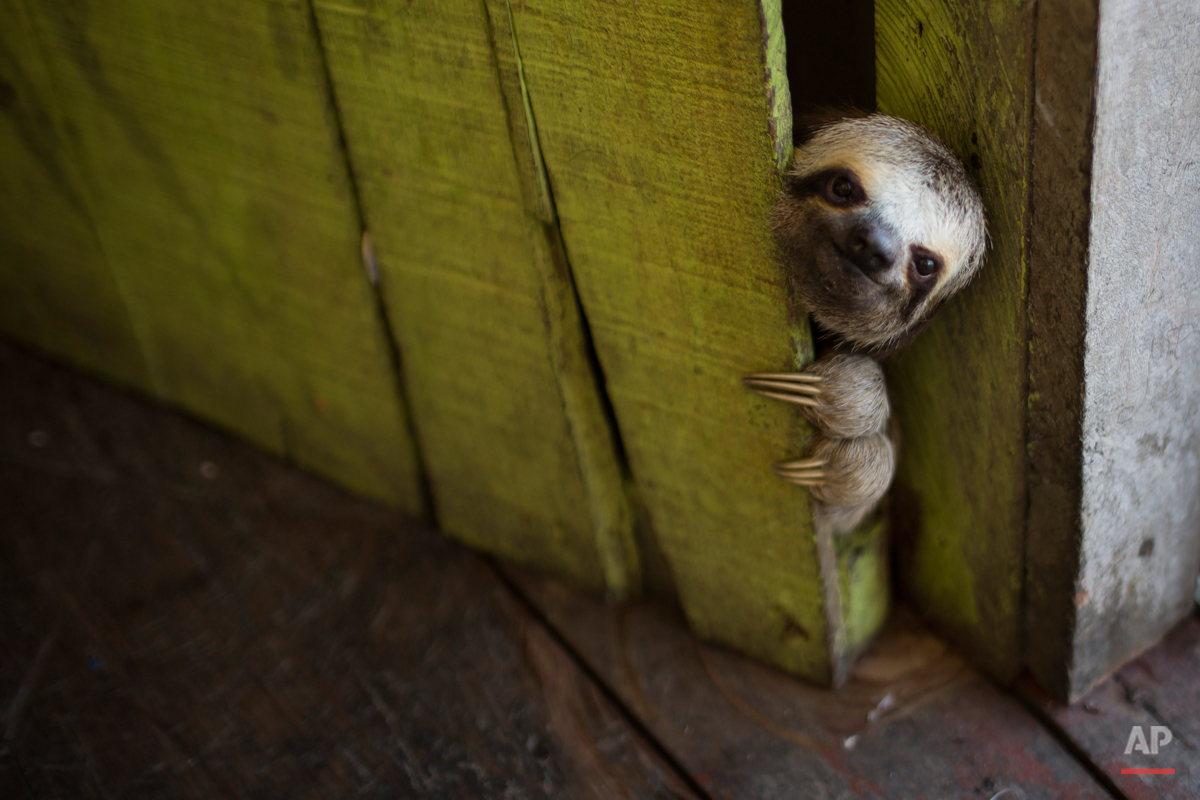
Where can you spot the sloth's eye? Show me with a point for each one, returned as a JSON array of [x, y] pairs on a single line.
[[924, 263], [840, 188]]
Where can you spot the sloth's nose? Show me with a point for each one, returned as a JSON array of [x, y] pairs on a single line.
[[873, 248]]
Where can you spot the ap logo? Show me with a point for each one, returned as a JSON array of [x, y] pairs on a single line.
[[1160, 736]]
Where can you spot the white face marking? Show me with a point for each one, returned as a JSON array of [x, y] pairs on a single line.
[[897, 194], [893, 162]]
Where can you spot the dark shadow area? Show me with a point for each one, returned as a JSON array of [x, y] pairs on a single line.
[[183, 616], [830, 54]]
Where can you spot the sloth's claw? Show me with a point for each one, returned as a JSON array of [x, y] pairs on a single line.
[[805, 471], [850, 461], [786, 377], [804, 481], [787, 398], [806, 474], [798, 387], [801, 463]]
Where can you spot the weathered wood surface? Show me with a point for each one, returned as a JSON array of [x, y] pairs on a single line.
[[1060, 219], [215, 624], [661, 131], [210, 170], [56, 288], [1159, 688], [963, 70], [913, 721], [506, 406]]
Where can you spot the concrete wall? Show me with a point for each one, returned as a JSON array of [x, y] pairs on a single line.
[[1140, 515]]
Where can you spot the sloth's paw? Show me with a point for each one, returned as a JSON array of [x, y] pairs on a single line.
[[851, 461], [844, 472], [844, 396]]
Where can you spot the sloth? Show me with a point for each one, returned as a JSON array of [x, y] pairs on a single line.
[[878, 225]]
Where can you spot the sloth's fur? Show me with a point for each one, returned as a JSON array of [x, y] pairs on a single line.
[[878, 225], [853, 401]]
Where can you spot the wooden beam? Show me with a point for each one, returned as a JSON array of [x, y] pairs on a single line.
[[1061, 198]]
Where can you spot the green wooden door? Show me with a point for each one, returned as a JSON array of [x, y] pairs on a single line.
[[511, 257]]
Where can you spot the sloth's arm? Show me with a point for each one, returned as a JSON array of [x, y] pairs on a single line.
[[850, 462]]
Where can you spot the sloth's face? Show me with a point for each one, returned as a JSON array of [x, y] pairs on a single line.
[[878, 225]]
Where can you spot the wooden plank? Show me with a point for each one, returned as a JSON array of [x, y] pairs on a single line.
[[57, 291], [256, 633], [1061, 205], [963, 70], [912, 721], [520, 455], [662, 131], [209, 152], [1161, 688]]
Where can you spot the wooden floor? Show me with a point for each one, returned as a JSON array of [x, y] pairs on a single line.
[[182, 616]]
